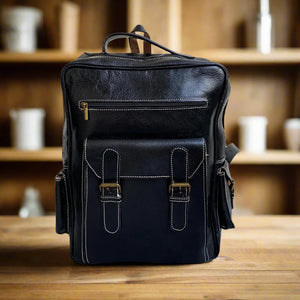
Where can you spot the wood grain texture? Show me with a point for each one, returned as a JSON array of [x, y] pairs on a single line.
[[162, 18], [226, 24], [228, 57], [269, 157], [260, 259]]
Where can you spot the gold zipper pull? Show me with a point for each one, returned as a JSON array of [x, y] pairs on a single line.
[[85, 108]]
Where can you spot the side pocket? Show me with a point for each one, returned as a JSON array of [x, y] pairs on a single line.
[[62, 203], [225, 193]]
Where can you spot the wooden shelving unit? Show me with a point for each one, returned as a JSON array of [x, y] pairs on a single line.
[[261, 84], [270, 157], [243, 57], [48, 154]]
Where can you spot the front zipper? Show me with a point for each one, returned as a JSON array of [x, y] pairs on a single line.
[[140, 105]]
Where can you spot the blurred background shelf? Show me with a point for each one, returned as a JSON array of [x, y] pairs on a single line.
[[270, 157], [243, 57], [48, 154], [261, 84], [283, 56]]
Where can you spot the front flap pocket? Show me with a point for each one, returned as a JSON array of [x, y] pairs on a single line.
[[62, 203], [133, 186], [144, 158], [225, 193]]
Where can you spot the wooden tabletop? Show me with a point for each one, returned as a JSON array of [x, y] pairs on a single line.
[[260, 259]]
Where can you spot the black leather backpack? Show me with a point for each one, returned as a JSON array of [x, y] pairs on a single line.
[[145, 174]]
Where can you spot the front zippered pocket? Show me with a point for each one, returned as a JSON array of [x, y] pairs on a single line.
[[140, 105]]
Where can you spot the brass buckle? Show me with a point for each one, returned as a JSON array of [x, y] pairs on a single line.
[[179, 185], [110, 185]]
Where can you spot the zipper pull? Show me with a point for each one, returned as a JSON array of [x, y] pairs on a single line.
[[85, 108]]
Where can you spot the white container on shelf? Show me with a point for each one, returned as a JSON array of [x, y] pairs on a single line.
[[20, 26], [27, 128], [253, 133], [32, 206], [292, 134]]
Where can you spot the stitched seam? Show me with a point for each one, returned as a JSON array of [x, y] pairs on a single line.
[[172, 191], [179, 199], [103, 161], [102, 194], [86, 212], [197, 168], [185, 211], [137, 176], [85, 150], [82, 207], [146, 176], [104, 219], [204, 202], [67, 198]]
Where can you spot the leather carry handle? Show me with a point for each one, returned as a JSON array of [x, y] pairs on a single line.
[[134, 46], [124, 35]]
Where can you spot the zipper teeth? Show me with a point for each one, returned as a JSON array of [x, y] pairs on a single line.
[[139, 103]]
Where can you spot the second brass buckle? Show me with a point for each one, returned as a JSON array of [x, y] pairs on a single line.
[[110, 185], [179, 185]]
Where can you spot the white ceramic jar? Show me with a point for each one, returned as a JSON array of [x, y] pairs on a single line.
[[20, 26], [253, 133], [27, 128]]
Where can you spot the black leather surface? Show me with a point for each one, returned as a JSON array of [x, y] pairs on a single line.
[[144, 140]]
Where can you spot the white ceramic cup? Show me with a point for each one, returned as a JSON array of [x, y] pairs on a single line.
[[253, 133], [20, 26], [292, 134], [27, 128]]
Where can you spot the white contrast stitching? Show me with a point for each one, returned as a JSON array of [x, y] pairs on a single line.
[[85, 157], [185, 211], [82, 201], [172, 190], [118, 161], [204, 202], [104, 219], [110, 197], [136, 176], [86, 212], [67, 198]]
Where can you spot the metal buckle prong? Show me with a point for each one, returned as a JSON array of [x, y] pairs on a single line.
[[179, 185]]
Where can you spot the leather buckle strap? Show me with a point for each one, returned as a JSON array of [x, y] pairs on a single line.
[[179, 189], [110, 191]]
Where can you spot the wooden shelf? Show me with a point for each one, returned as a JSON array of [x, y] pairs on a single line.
[[45, 56], [270, 157], [276, 157], [283, 56], [46, 154]]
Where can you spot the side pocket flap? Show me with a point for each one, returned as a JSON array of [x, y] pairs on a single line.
[[62, 204]]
